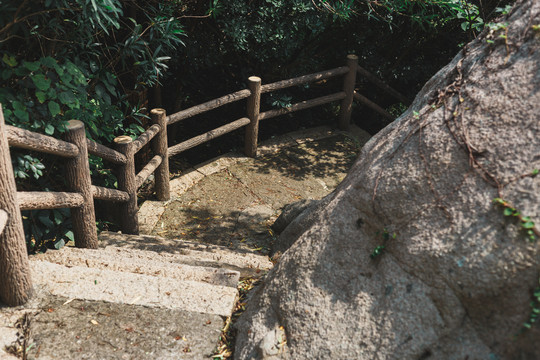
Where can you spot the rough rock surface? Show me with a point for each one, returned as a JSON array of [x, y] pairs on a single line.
[[457, 279]]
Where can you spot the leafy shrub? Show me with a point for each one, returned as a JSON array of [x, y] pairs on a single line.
[[77, 59]]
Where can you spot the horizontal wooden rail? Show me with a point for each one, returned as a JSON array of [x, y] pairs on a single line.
[[364, 100], [378, 82], [36, 200], [304, 79], [145, 137], [103, 193], [29, 140], [147, 170], [201, 139], [105, 153], [302, 105], [207, 106], [3, 220]]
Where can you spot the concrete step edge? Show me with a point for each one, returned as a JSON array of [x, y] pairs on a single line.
[[142, 262], [85, 283], [247, 263]]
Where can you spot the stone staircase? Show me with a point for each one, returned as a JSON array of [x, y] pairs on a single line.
[[196, 284], [149, 297]]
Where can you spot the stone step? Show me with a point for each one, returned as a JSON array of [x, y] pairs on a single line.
[[67, 328], [78, 282], [247, 263], [140, 262]]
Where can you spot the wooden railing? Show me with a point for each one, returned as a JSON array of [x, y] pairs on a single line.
[[15, 282], [254, 116]]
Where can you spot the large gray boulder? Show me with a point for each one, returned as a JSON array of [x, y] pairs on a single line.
[[457, 280]]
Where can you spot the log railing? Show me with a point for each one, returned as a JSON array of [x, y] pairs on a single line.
[[254, 116], [15, 282]]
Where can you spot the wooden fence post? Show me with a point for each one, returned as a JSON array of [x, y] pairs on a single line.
[[15, 282], [253, 108], [126, 182], [348, 88], [160, 147], [79, 180]]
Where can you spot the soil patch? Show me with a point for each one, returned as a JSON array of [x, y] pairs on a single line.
[[236, 206]]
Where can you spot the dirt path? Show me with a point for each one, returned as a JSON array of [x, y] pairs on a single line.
[[234, 205]]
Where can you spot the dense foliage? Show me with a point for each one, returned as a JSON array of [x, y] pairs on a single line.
[[94, 60], [78, 59]]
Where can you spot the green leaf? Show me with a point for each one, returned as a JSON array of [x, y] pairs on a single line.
[[6, 74], [508, 211], [41, 82], [32, 66], [9, 60], [59, 244], [44, 219], [49, 129], [21, 71], [54, 108], [535, 172], [66, 78], [17, 105], [66, 97], [72, 68], [22, 115], [69, 235], [48, 62], [528, 225], [58, 217], [41, 96]]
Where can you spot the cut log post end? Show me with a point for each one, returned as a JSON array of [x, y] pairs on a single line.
[[124, 139], [157, 112], [74, 125]]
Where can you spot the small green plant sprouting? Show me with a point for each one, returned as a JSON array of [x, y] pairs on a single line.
[[496, 30], [526, 223], [381, 248], [377, 251], [535, 308]]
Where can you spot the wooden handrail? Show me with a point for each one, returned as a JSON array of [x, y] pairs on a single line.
[[103, 193], [212, 134], [105, 153], [207, 106], [36, 200], [304, 79], [148, 169], [364, 100], [29, 140], [145, 137], [302, 105], [378, 82]]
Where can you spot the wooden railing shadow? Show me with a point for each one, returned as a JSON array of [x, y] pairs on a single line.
[[15, 282]]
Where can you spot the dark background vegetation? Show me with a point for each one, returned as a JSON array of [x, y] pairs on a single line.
[[106, 62]]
